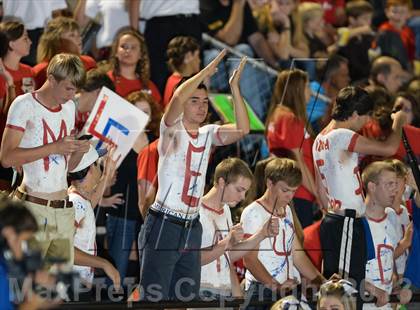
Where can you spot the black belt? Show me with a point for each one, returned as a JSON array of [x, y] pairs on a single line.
[[172, 17], [174, 219]]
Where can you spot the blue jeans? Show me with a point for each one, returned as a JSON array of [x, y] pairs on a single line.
[[121, 233], [170, 259], [256, 85]]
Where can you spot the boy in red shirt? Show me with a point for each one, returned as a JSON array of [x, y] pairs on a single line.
[[395, 38]]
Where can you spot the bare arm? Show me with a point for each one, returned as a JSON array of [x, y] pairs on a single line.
[[383, 148], [231, 32], [307, 178], [405, 242], [84, 259], [236, 286], [76, 156], [146, 193], [10, 91], [230, 133], [134, 13], [253, 264], [236, 246], [286, 48], [299, 50], [12, 155], [278, 43], [186, 89], [262, 49], [79, 14], [382, 296], [322, 194], [269, 229], [110, 166], [303, 263], [10, 96], [214, 252]]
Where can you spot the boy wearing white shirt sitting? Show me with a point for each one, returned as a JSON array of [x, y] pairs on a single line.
[[222, 242]]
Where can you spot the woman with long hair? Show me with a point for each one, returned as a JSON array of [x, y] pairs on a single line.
[[16, 78], [289, 134], [130, 68]]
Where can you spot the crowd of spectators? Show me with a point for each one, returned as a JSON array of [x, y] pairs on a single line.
[[328, 194]]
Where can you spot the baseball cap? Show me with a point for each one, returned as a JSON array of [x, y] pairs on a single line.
[[89, 158]]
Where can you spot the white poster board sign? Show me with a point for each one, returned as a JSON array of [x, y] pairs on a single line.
[[114, 120]]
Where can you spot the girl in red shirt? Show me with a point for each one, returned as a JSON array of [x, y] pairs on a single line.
[[15, 78], [130, 68], [289, 134]]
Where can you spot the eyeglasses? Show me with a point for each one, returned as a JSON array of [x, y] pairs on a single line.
[[388, 185]]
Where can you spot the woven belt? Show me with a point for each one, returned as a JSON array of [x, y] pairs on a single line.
[[174, 219], [56, 204]]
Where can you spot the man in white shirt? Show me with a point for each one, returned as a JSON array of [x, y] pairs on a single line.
[[222, 242], [39, 138], [335, 151], [171, 235], [277, 266]]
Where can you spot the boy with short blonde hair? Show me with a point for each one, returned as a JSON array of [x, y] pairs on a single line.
[[39, 138]]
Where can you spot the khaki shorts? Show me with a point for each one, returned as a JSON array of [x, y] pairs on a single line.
[[55, 235]]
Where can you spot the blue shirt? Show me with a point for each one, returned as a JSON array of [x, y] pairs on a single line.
[[412, 271], [5, 303], [319, 106]]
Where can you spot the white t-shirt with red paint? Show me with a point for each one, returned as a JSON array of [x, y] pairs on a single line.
[[182, 167], [275, 253], [85, 236], [379, 270], [216, 225], [337, 164], [40, 126], [403, 222]]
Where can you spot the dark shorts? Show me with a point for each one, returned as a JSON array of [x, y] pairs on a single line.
[[331, 239], [170, 258]]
